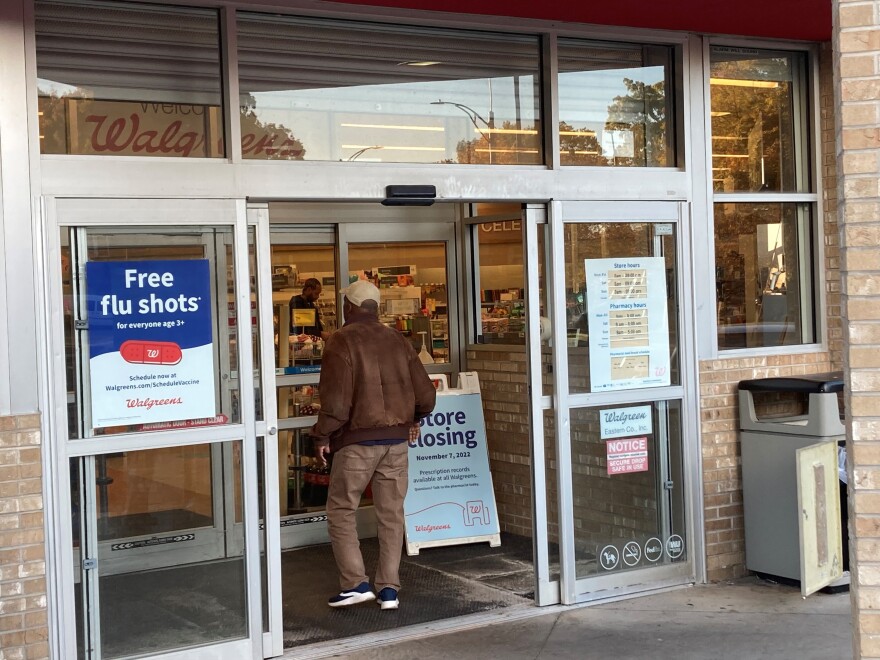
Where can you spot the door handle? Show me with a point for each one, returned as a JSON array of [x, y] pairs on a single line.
[[272, 430]]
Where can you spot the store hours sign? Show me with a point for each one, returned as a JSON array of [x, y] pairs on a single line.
[[151, 354], [628, 323]]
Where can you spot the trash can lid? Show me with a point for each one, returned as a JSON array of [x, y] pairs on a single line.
[[828, 382]]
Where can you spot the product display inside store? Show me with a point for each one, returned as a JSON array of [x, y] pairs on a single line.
[[414, 301], [412, 281]]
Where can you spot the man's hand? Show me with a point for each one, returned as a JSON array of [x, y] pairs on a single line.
[[321, 452], [414, 432]]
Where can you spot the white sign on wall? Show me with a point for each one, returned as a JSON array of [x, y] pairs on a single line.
[[628, 324]]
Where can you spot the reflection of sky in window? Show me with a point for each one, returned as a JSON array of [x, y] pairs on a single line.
[[584, 96], [391, 114], [52, 88], [410, 99]]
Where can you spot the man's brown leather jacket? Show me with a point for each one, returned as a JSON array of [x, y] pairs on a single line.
[[373, 386]]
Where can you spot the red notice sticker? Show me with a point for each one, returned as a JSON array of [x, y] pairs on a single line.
[[626, 455], [150, 352]]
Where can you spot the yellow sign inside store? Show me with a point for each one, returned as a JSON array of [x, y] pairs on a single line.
[[303, 317]]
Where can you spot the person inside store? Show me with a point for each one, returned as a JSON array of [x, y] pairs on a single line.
[[374, 391], [305, 317]]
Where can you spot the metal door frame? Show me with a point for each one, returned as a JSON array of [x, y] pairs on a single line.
[[149, 214], [346, 233], [547, 590], [311, 234], [572, 588], [273, 639]]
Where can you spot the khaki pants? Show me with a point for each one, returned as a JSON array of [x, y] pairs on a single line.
[[353, 468]]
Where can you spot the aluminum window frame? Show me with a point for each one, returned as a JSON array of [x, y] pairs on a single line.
[[674, 80], [809, 124], [547, 33]]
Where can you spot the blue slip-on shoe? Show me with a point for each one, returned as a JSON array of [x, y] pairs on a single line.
[[388, 599], [360, 594]]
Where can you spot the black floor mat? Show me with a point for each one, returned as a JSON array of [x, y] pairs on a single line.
[[440, 583], [151, 611]]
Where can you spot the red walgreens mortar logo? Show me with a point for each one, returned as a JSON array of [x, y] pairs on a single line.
[[150, 352]]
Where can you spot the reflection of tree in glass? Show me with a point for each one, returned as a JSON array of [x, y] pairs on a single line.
[[753, 124], [53, 124], [265, 139], [604, 241], [579, 147], [519, 146], [642, 114]]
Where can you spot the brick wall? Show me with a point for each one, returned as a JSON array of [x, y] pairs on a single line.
[[857, 92], [722, 478], [23, 618], [504, 386], [831, 230]]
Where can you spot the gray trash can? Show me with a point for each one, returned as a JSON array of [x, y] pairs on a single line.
[[769, 468]]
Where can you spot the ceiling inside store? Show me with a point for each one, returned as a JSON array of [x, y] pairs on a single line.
[[781, 19]]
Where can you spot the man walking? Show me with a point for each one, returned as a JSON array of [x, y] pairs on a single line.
[[373, 391]]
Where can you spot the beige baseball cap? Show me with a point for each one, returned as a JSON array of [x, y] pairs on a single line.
[[358, 292]]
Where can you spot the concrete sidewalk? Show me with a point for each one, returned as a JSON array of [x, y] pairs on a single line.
[[746, 619]]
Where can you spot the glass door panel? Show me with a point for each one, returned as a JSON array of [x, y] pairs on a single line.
[[412, 277], [628, 511], [623, 501], [653, 246], [509, 344], [142, 493], [167, 578], [307, 261], [499, 271], [304, 314], [160, 442], [116, 253], [304, 303]]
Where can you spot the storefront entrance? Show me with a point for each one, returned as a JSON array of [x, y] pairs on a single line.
[[571, 316], [313, 247]]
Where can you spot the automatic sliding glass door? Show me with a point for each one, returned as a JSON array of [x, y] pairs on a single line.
[[619, 313], [160, 443]]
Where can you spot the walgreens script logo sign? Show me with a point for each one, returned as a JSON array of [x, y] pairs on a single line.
[[627, 455], [123, 128]]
